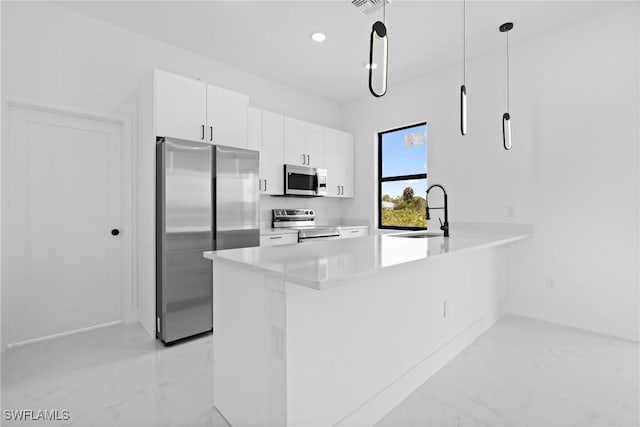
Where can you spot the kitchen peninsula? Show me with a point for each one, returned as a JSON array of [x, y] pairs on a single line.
[[339, 332]]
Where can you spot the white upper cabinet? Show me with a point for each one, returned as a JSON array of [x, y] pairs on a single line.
[[272, 154], [314, 139], [339, 163], [192, 110], [303, 143], [227, 114], [294, 142], [181, 106], [254, 129]]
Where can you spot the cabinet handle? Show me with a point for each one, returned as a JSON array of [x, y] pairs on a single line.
[[355, 231], [275, 237], [342, 189], [308, 159], [265, 185], [338, 190], [203, 132], [210, 133]]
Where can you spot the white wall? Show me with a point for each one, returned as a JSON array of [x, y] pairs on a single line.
[[573, 172], [57, 56]]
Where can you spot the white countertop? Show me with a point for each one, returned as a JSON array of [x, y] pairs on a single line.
[[329, 263]]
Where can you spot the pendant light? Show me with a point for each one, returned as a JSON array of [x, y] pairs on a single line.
[[506, 117], [463, 88], [378, 56]]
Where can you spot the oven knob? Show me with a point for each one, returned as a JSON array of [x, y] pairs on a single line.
[[311, 213]]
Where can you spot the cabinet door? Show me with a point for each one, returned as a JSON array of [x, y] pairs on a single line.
[[333, 162], [278, 239], [348, 166], [272, 154], [254, 129], [349, 233], [181, 107], [314, 145], [227, 117], [339, 163], [295, 142]]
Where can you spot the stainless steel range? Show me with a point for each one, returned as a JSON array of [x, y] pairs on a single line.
[[303, 220]]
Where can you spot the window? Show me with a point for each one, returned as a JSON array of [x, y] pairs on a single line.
[[402, 177]]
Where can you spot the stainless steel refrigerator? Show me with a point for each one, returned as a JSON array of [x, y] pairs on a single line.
[[206, 199]]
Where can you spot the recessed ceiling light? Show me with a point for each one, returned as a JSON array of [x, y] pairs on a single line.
[[371, 66], [318, 37]]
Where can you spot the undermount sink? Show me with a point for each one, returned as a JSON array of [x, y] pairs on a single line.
[[422, 235]]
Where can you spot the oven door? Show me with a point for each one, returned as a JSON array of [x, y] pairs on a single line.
[[300, 181]]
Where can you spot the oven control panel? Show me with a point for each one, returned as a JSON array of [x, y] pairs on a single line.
[[293, 214]]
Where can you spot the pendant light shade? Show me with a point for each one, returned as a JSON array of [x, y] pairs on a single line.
[[378, 59], [463, 88], [506, 131], [463, 110], [506, 117]]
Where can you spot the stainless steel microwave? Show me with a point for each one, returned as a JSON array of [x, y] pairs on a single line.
[[304, 181]]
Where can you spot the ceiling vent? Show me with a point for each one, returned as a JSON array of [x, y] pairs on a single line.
[[368, 6]]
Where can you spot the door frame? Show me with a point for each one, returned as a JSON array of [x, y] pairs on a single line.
[[129, 301]]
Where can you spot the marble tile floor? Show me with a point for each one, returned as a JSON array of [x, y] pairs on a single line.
[[525, 372], [114, 376], [522, 372]]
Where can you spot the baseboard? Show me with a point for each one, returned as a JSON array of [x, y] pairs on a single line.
[[381, 404], [63, 334]]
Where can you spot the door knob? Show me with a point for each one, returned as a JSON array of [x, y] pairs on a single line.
[[115, 232]]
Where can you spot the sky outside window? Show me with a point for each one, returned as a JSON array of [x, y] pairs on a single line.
[[404, 152]]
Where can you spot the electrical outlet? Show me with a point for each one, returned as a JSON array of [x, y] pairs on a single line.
[[510, 211], [549, 283]]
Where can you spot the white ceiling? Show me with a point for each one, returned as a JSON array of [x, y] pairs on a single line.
[[272, 38]]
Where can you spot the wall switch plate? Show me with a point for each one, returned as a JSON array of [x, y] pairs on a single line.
[[550, 283], [510, 211]]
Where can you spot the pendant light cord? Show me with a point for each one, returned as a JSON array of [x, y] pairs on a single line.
[[508, 72], [384, 12], [464, 42]]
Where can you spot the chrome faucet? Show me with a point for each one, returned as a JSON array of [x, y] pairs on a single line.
[[443, 226]]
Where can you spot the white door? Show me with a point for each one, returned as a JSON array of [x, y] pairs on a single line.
[[181, 107], [227, 114], [63, 199]]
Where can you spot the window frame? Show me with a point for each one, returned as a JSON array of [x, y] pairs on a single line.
[[395, 178]]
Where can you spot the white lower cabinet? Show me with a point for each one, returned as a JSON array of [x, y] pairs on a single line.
[[273, 239], [350, 232]]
